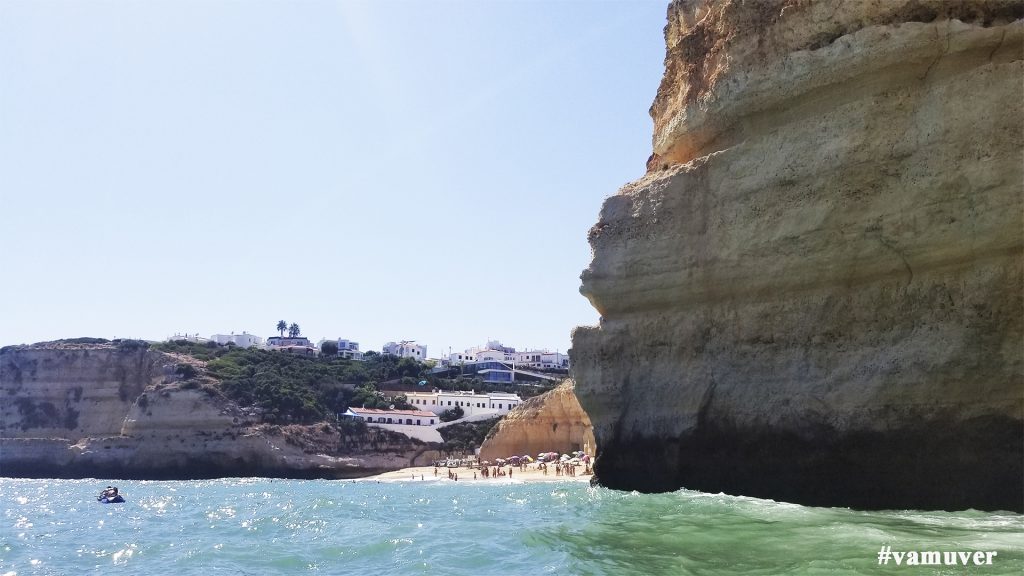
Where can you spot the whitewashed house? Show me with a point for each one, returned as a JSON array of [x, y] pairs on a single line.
[[407, 417], [299, 345], [406, 349], [471, 402], [243, 340], [346, 348]]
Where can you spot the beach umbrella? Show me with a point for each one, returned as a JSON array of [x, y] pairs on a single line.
[[528, 459]]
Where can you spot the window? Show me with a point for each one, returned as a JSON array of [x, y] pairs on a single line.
[[431, 420], [449, 402], [499, 407], [408, 420], [417, 421]]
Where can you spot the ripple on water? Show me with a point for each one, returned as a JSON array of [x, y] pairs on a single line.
[[258, 526]]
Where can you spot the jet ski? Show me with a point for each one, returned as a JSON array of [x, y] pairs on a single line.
[[110, 496]]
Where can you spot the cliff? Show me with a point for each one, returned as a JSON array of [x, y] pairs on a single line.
[[814, 294], [551, 422], [103, 410]]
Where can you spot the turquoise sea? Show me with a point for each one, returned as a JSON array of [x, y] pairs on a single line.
[[259, 526]]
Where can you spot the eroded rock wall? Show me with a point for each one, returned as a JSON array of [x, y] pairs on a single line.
[[815, 293], [106, 411], [551, 422], [73, 391]]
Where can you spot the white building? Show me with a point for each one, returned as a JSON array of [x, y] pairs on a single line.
[[471, 402], [495, 356], [292, 345], [243, 340], [406, 349], [408, 417], [543, 359], [188, 338], [346, 348], [494, 351], [456, 358]]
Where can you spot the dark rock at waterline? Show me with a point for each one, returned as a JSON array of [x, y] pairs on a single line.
[[927, 467]]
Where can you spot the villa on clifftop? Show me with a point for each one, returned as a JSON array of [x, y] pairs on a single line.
[[299, 345], [471, 402]]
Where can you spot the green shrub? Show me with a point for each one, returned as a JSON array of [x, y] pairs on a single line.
[[464, 437], [84, 340], [296, 389], [186, 371], [450, 414], [131, 345]]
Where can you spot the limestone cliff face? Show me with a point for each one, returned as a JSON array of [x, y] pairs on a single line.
[[815, 293], [106, 411], [551, 422], [73, 391]]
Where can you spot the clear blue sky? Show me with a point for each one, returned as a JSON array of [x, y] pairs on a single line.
[[370, 170]]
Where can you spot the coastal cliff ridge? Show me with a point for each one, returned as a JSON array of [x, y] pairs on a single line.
[[125, 411]]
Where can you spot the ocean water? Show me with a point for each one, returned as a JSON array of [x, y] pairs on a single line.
[[258, 526]]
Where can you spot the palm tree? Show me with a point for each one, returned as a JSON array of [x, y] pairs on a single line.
[[293, 330], [281, 327]]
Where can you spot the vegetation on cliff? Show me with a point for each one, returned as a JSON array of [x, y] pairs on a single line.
[[464, 437], [296, 389]]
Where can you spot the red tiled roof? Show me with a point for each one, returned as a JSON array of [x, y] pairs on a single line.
[[374, 411]]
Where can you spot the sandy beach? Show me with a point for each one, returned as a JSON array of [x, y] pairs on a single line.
[[528, 474]]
